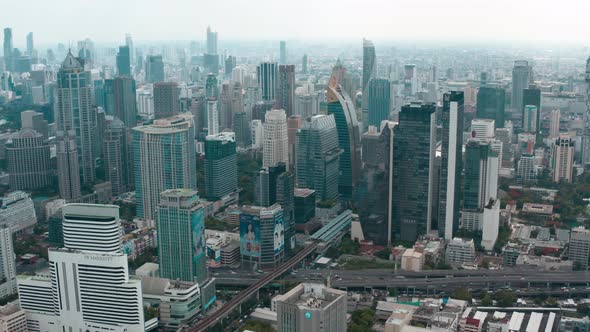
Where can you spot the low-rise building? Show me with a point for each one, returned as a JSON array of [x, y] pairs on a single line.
[[412, 260], [460, 251], [13, 318]]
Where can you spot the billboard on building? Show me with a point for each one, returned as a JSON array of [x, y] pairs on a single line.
[[279, 234], [250, 235], [198, 234]]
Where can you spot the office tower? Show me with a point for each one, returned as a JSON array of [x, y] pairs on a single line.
[[124, 61], [266, 184], [529, 119], [562, 159], [230, 64], [580, 247], [257, 134], [306, 104], [68, 172], [34, 120], [286, 89], [369, 70], [554, 123], [129, 44], [116, 156], [318, 157], [89, 286], [526, 171], [304, 205], [7, 264], [413, 171], [75, 112], [283, 52], [221, 165], [521, 75], [293, 125], [212, 117], [267, 74], [276, 142], [481, 175], [238, 75], [163, 158], [342, 107], [181, 236], [312, 308], [379, 101], [124, 101], [154, 69], [166, 100], [211, 87], [451, 164], [490, 104], [410, 80], [242, 130], [8, 47], [17, 212], [30, 44], [211, 41], [304, 61], [29, 162], [532, 96], [225, 106], [261, 236], [483, 129]]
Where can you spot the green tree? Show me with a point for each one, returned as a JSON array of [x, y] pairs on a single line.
[[258, 326], [583, 308], [505, 298], [462, 293], [150, 312], [383, 254], [362, 321], [487, 300]]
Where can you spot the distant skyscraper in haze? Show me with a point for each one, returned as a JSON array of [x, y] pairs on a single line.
[[221, 165], [75, 112], [451, 164], [30, 44], [379, 101], [8, 47], [342, 107], [267, 73], [116, 156], [89, 286], [211, 41], [211, 86], [129, 44], [481, 175], [181, 236], [230, 64], [286, 89], [68, 171], [283, 53], [369, 69], [304, 64], [529, 119], [532, 96], [554, 123], [318, 156], [521, 73], [275, 145], [490, 104], [414, 146], [163, 158], [212, 117], [36, 121], [166, 100], [154, 69], [124, 61]]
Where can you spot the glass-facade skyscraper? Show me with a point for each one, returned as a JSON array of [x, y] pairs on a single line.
[[342, 108], [318, 157], [414, 147], [221, 165], [369, 69], [490, 104], [521, 75], [379, 104], [267, 74], [451, 164], [124, 61], [182, 247], [163, 158]]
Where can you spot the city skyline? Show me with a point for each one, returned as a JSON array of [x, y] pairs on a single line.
[[479, 21]]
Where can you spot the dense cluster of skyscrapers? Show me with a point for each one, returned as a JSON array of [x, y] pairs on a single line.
[[396, 147]]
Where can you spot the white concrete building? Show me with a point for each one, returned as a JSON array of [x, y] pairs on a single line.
[[17, 212], [276, 144], [212, 117], [460, 251], [7, 264], [13, 318], [86, 290], [491, 224], [562, 161], [412, 260], [484, 129], [554, 123], [257, 134]]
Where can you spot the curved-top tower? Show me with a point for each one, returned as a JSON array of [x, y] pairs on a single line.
[[92, 227], [342, 107]]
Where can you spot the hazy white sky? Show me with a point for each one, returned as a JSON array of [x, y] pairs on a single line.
[[566, 21]]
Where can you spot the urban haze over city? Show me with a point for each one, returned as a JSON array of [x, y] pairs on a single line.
[[309, 166]]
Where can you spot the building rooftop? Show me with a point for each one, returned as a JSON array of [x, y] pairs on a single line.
[[303, 192], [537, 208]]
